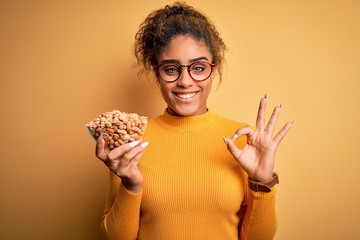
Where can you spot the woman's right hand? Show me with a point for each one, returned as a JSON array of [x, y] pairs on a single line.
[[123, 161]]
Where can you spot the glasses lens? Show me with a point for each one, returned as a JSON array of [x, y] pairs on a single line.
[[169, 72], [199, 71]]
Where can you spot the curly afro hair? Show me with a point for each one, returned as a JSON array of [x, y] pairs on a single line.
[[162, 25]]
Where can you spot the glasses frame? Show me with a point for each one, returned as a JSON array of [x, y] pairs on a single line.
[[188, 66]]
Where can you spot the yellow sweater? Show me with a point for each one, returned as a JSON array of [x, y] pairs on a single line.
[[193, 188]]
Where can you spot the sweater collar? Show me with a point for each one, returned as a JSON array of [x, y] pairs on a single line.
[[192, 123]]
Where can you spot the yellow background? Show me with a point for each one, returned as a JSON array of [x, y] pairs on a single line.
[[64, 62]]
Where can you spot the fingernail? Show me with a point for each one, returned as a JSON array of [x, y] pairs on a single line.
[[235, 136], [100, 138], [266, 96], [280, 106], [225, 141], [133, 144], [145, 144]]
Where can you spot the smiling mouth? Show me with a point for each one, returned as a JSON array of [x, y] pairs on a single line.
[[185, 95]]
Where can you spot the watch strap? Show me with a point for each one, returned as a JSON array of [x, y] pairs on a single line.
[[263, 186]]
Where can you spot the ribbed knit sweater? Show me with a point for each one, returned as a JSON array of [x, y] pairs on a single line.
[[193, 187]]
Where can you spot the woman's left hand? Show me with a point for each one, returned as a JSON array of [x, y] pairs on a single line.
[[258, 157]]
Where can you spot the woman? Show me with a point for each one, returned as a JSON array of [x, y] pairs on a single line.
[[191, 182]]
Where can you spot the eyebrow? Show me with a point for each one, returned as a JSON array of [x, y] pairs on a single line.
[[178, 62]]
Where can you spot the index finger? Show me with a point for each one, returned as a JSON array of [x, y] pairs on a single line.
[[121, 150]]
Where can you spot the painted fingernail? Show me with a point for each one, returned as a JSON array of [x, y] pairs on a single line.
[[266, 96], [133, 144], [236, 136], [145, 144]]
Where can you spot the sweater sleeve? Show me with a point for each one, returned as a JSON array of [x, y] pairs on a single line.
[[258, 220], [122, 212]]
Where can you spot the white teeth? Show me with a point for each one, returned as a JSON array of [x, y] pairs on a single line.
[[186, 96]]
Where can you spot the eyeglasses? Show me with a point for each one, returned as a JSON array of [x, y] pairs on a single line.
[[198, 71]]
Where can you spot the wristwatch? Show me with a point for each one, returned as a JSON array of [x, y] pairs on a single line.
[[263, 186]]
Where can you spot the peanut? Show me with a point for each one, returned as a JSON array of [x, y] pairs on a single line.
[[118, 128]]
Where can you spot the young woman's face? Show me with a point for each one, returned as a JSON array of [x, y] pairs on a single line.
[[185, 96]]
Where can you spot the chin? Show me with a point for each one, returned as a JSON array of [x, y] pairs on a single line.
[[186, 112]]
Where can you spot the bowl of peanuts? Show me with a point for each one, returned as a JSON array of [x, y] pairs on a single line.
[[118, 128]]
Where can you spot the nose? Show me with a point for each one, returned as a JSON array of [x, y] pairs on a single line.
[[185, 79]]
